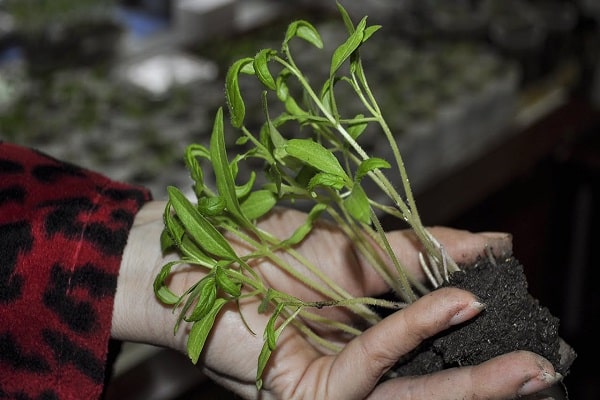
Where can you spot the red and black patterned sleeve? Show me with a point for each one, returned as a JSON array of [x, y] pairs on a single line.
[[63, 230]]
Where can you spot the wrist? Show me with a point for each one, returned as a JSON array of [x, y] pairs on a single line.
[[138, 315]]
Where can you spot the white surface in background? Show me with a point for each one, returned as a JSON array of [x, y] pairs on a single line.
[[159, 73]]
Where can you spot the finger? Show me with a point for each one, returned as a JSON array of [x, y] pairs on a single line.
[[379, 347], [507, 376], [461, 245]]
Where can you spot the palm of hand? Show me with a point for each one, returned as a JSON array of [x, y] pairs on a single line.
[[300, 370]]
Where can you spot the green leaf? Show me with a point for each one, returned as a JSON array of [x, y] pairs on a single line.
[[166, 241], [355, 129], [264, 304], [206, 298], [225, 283], [305, 174], [276, 138], [207, 236], [258, 203], [282, 89], [191, 296], [292, 107], [369, 31], [304, 229], [243, 190], [261, 67], [263, 359], [315, 155], [345, 17], [357, 204], [283, 95], [235, 102], [327, 97], [185, 244], [161, 290], [190, 249], [222, 169], [271, 334], [345, 50], [192, 152], [173, 226], [211, 206], [369, 165], [327, 180], [304, 30], [200, 331]]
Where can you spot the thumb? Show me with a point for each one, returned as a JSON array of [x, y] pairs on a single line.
[[380, 347]]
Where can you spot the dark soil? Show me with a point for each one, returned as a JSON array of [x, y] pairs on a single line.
[[512, 320]]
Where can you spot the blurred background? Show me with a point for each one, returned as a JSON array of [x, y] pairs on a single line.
[[495, 104]]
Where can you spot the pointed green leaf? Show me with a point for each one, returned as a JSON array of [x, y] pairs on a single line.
[[263, 359], [225, 283], [235, 102], [309, 33], [166, 241], [269, 129], [264, 304], [346, 18], [222, 169], [282, 89], [193, 253], [192, 152], [271, 341], [206, 298], [207, 236], [305, 174], [161, 290], [369, 165], [327, 180], [355, 129], [327, 97], [261, 67], [369, 31], [315, 155], [190, 296], [200, 331], [271, 334], [292, 107], [258, 203], [345, 50], [246, 188], [357, 204], [211, 206], [186, 245], [304, 229], [304, 30]]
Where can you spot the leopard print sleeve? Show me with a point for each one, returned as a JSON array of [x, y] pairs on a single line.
[[62, 233]]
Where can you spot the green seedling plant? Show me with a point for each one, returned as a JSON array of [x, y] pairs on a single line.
[[310, 152]]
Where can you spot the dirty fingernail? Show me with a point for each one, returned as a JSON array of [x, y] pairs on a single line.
[[468, 312], [499, 242], [498, 236], [542, 381]]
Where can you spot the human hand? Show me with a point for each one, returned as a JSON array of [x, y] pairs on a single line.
[[297, 368]]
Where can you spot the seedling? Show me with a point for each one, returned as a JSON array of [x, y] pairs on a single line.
[[311, 152]]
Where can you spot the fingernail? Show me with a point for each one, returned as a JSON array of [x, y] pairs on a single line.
[[497, 235], [468, 312], [499, 242], [542, 381]]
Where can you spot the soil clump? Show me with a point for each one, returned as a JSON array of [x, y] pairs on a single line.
[[513, 320]]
